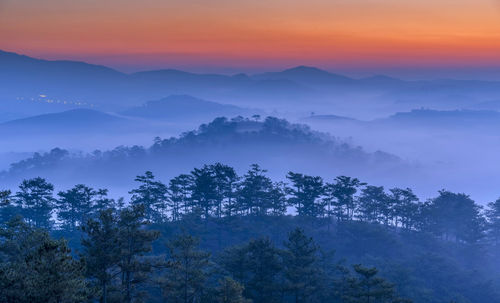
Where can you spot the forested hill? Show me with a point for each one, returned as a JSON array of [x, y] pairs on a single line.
[[211, 232], [275, 143]]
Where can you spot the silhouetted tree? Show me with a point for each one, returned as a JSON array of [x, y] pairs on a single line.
[[204, 190], [75, 205], [226, 179], [454, 217], [230, 291], [101, 251], [278, 199], [187, 270], [103, 202], [341, 197], [405, 207], [301, 269], [370, 288], [305, 194], [493, 215], [374, 205], [152, 194], [134, 241], [255, 194], [37, 268], [35, 197], [264, 267], [7, 208], [179, 193]]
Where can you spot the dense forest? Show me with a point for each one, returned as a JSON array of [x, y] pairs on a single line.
[[238, 142], [211, 235]]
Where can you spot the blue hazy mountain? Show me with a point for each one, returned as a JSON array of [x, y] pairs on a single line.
[[307, 75], [421, 119], [32, 85], [84, 121], [77, 81], [454, 119], [328, 118], [176, 107]]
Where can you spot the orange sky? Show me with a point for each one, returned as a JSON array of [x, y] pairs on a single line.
[[257, 32]]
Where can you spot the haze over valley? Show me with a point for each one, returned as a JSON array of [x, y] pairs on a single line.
[[442, 131]]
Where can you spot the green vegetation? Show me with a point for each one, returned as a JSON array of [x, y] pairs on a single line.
[[214, 236]]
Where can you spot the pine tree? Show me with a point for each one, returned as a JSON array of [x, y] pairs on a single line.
[[152, 194], [37, 202], [341, 197], [234, 260], [405, 207], [230, 291], [369, 288], [187, 268], [277, 198], [264, 267], [204, 190], [54, 276], [374, 205], [258, 266], [225, 179], [101, 251], [493, 215], [301, 269], [36, 268], [134, 241], [256, 192], [75, 205], [454, 217], [306, 193], [179, 193], [102, 202], [7, 208]]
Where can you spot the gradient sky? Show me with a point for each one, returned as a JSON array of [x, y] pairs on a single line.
[[256, 35]]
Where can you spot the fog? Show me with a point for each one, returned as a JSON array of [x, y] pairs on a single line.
[[81, 108]]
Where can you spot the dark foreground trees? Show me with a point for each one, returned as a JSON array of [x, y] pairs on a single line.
[[36, 268], [186, 271], [114, 267], [121, 258]]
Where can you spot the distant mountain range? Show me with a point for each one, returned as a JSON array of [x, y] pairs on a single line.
[[484, 120], [27, 82]]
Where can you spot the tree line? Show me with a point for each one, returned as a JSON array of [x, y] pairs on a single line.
[[116, 264], [217, 191]]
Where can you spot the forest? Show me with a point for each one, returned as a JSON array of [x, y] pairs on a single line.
[[211, 235]]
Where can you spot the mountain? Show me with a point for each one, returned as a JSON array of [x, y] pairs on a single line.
[[454, 119], [328, 118], [33, 86], [465, 119], [307, 75], [84, 121], [28, 82], [177, 107], [71, 81]]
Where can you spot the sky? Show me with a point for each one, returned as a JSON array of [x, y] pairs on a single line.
[[409, 36]]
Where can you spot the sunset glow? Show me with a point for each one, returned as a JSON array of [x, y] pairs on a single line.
[[257, 33]]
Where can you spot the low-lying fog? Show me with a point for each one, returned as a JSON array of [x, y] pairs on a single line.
[[437, 157], [80, 108]]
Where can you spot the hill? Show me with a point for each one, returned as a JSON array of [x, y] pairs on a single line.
[[307, 75], [177, 107], [84, 121], [486, 120], [276, 144]]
